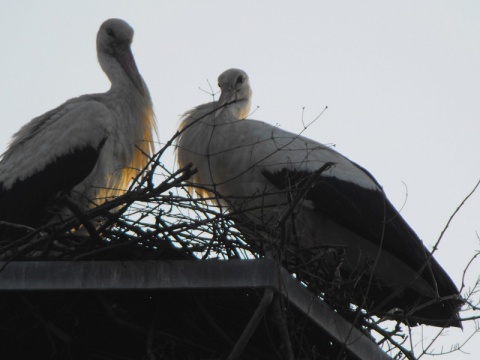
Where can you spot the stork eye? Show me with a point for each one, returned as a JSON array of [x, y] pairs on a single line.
[[220, 86], [110, 32], [240, 79]]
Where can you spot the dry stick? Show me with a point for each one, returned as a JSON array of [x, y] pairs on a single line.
[[470, 262], [357, 317], [434, 248], [23, 239], [170, 231], [128, 198], [84, 219], [408, 354], [105, 249], [453, 215], [307, 186], [133, 196], [142, 194], [469, 303], [282, 224], [16, 226], [396, 331], [377, 258], [457, 347]]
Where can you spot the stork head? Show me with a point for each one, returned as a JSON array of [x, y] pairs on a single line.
[[113, 43], [236, 91]]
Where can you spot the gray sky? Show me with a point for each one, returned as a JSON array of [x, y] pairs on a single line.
[[401, 80]]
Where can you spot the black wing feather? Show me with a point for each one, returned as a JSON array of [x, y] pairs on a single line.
[[370, 214], [33, 201]]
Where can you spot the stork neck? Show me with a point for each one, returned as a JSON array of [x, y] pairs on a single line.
[[120, 81], [214, 113], [238, 110]]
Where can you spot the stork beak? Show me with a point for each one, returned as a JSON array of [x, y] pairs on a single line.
[[226, 95], [125, 58]]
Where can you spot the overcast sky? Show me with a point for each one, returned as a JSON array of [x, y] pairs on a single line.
[[401, 80]]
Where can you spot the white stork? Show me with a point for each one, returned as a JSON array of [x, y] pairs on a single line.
[[255, 167], [90, 147]]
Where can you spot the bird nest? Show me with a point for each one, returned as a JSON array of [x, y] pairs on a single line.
[[157, 219]]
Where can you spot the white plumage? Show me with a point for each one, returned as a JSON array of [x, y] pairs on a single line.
[[89, 147], [257, 168]]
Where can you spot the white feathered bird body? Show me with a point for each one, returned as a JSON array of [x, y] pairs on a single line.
[[257, 169], [90, 147]]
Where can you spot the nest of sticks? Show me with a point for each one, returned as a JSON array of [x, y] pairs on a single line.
[[158, 220]]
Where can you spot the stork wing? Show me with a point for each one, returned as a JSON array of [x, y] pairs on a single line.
[[368, 213], [33, 199], [50, 154]]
